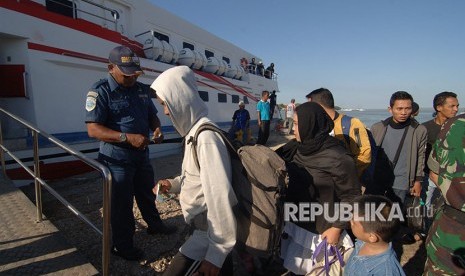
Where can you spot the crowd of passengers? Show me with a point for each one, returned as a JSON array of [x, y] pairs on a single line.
[[326, 163]]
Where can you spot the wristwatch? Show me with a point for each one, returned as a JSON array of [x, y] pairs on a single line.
[[122, 137]]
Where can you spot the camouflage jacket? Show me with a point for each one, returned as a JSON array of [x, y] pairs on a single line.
[[447, 159]]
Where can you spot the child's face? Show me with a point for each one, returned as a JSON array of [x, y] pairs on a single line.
[[358, 230]]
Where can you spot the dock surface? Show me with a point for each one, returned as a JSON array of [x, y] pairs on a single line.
[[31, 248]]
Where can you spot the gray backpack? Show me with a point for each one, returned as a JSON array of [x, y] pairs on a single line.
[[258, 180]]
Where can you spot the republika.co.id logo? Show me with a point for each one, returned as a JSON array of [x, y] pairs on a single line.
[[344, 212]]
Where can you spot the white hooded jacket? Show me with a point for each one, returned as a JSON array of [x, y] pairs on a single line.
[[210, 188]]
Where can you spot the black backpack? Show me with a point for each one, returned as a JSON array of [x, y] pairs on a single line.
[[258, 180]]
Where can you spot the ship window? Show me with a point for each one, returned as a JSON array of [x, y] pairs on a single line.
[[246, 100], [222, 98], [209, 54], [226, 59], [161, 37], [204, 95], [188, 46], [63, 7], [235, 98]]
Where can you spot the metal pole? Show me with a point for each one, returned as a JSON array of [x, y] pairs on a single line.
[[37, 185], [2, 156], [73, 3], [107, 180]]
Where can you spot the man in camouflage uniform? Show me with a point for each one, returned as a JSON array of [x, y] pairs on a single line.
[[445, 245]]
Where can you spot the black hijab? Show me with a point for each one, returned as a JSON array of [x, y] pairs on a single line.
[[314, 127]]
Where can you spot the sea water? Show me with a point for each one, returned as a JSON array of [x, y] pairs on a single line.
[[372, 116]]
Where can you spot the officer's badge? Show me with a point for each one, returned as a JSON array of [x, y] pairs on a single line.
[[91, 102], [92, 94]]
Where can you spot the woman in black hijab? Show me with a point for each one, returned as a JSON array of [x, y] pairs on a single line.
[[320, 170]]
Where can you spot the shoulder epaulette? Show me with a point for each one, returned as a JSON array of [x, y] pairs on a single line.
[[99, 83]]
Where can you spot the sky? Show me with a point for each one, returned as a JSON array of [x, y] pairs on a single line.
[[361, 50]]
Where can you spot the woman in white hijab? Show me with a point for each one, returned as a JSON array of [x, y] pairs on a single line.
[[206, 194]]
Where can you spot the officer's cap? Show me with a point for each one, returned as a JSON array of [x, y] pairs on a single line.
[[126, 61]]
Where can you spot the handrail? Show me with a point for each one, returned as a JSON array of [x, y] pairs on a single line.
[[105, 173], [114, 13]]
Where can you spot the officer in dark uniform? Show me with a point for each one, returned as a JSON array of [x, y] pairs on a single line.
[[121, 114]]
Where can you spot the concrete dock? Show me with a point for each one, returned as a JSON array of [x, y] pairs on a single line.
[[70, 247], [31, 248]]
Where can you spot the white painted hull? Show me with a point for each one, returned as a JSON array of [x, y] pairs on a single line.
[[63, 57]]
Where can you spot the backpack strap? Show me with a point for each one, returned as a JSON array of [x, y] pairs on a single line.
[[210, 127], [346, 122]]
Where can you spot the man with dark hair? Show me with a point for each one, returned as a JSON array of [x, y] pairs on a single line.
[[263, 110], [322, 96], [401, 158], [120, 113], [269, 71], [415, 110], [272, 103], [240, 124], [290, 110], [357, 141], [445, 244], [446, 106]]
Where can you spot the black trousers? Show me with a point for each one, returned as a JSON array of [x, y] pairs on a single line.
[[181, 265], [263, 132]]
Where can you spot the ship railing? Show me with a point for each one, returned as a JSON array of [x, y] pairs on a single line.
[[75, 9], [271, 75], [274, 76], [252, 69], [39, 182], [114, 13]]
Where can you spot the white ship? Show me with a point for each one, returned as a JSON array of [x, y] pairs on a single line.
[[52, 51]]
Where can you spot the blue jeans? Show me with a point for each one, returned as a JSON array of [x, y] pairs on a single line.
[[131, 177], [429, 193]]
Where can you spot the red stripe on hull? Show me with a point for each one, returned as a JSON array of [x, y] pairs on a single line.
[[64, 52], [39, 11]]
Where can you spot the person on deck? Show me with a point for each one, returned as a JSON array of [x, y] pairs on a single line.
[[446, 106], [240, 125], [322, 172], [263, 117], [272, 103], [269, 71], [357, 141], [401, 155], [206, 194], [445, 244], [260, 69], [120, 113], [290, 109]]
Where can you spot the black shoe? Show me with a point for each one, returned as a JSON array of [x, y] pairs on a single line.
[[132, 254], [162, 229]]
